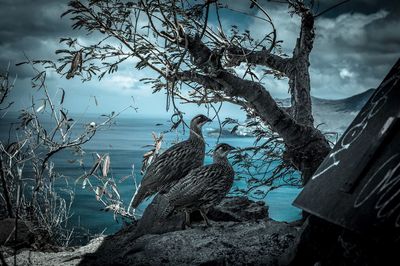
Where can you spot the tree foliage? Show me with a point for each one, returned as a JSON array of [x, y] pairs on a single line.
[[196, 59]]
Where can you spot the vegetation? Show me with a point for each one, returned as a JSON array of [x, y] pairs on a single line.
[[32, 190], [198, 60]]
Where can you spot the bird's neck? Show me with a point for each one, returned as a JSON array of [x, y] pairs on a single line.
[[221, 160], [196, 134]]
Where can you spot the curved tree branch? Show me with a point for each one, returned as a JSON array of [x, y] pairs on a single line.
[[204, 66], [238, 55]]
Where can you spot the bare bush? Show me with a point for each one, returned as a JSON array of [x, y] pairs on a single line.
[[32, 190]]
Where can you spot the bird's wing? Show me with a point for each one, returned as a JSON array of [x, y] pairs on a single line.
[[195, 185], [171, 164]]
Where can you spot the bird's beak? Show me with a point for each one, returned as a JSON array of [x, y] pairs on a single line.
[[208, 120], [231, 148]]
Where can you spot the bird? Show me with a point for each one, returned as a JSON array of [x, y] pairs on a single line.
[[173, 164], [203, 187]]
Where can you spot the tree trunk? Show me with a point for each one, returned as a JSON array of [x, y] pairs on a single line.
[[306, 146]]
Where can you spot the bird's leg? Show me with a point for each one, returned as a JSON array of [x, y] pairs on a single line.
[[203, 214], [187, 219]]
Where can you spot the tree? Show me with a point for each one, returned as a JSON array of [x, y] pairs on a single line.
[[174, 39]]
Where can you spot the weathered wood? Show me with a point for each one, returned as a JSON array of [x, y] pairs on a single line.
[[358, 184]]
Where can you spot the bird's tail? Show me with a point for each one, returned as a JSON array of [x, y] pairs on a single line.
[[139, 196], [155, 219]]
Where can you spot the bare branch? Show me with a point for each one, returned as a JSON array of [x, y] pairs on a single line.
[[238, 55]]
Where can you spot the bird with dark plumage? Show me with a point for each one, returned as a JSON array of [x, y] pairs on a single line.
[[203, 187], [173, 164]]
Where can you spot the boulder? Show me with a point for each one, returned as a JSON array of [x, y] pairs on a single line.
[[241, 233], [238, 209], [235, 209], [225, 243]]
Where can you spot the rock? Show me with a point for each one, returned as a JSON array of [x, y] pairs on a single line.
[[225, 243], [255, 243], [152, 223], [238, 209], [68, 257], [24, 236], [241, 233], [234, 209], [28, 236]]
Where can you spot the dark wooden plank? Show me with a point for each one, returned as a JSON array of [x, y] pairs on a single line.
[[358, 184]]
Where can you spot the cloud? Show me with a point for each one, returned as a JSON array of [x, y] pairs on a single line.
[[345, 73], [349, 56], [355, 46], [31, 28], [352, 51]]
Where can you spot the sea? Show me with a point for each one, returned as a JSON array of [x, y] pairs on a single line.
[[126, 142]]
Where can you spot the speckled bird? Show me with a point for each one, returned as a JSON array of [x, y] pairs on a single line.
[[203, 187], [175, 163]]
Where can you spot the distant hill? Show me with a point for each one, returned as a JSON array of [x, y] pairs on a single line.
[[336, 115]]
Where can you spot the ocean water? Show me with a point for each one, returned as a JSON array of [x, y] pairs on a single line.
[[124, 142]]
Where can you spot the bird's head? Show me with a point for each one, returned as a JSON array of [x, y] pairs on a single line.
[[198, 121], [222, 150]]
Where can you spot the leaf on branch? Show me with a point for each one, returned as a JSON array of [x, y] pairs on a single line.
[[234, 129], [60, 68], [143, 63], [114, 188], [42, 107], [106, 165], [75, 64], [22, 63], [229, 120], [68, 41], [259, 192], [63, 51], [157, 141], [95, 101], [95, 167], [62, 96], [253, 74], [122, 179], [84, 183], [64, 116], [151, 155], [99, 193]]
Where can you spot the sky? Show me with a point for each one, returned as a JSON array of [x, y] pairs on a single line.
[[356, 44]]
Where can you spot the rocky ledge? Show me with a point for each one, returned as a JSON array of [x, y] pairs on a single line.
[[241, 233]]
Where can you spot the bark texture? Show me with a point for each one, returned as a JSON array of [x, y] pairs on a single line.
[[306, 146], [194, 52]]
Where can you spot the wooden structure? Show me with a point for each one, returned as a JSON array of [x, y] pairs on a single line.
[[358, 184]]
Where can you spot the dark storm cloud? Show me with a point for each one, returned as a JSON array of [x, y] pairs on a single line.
[[359, 6], [31, 18], [30, 27], [356, 43], [366, 44]]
